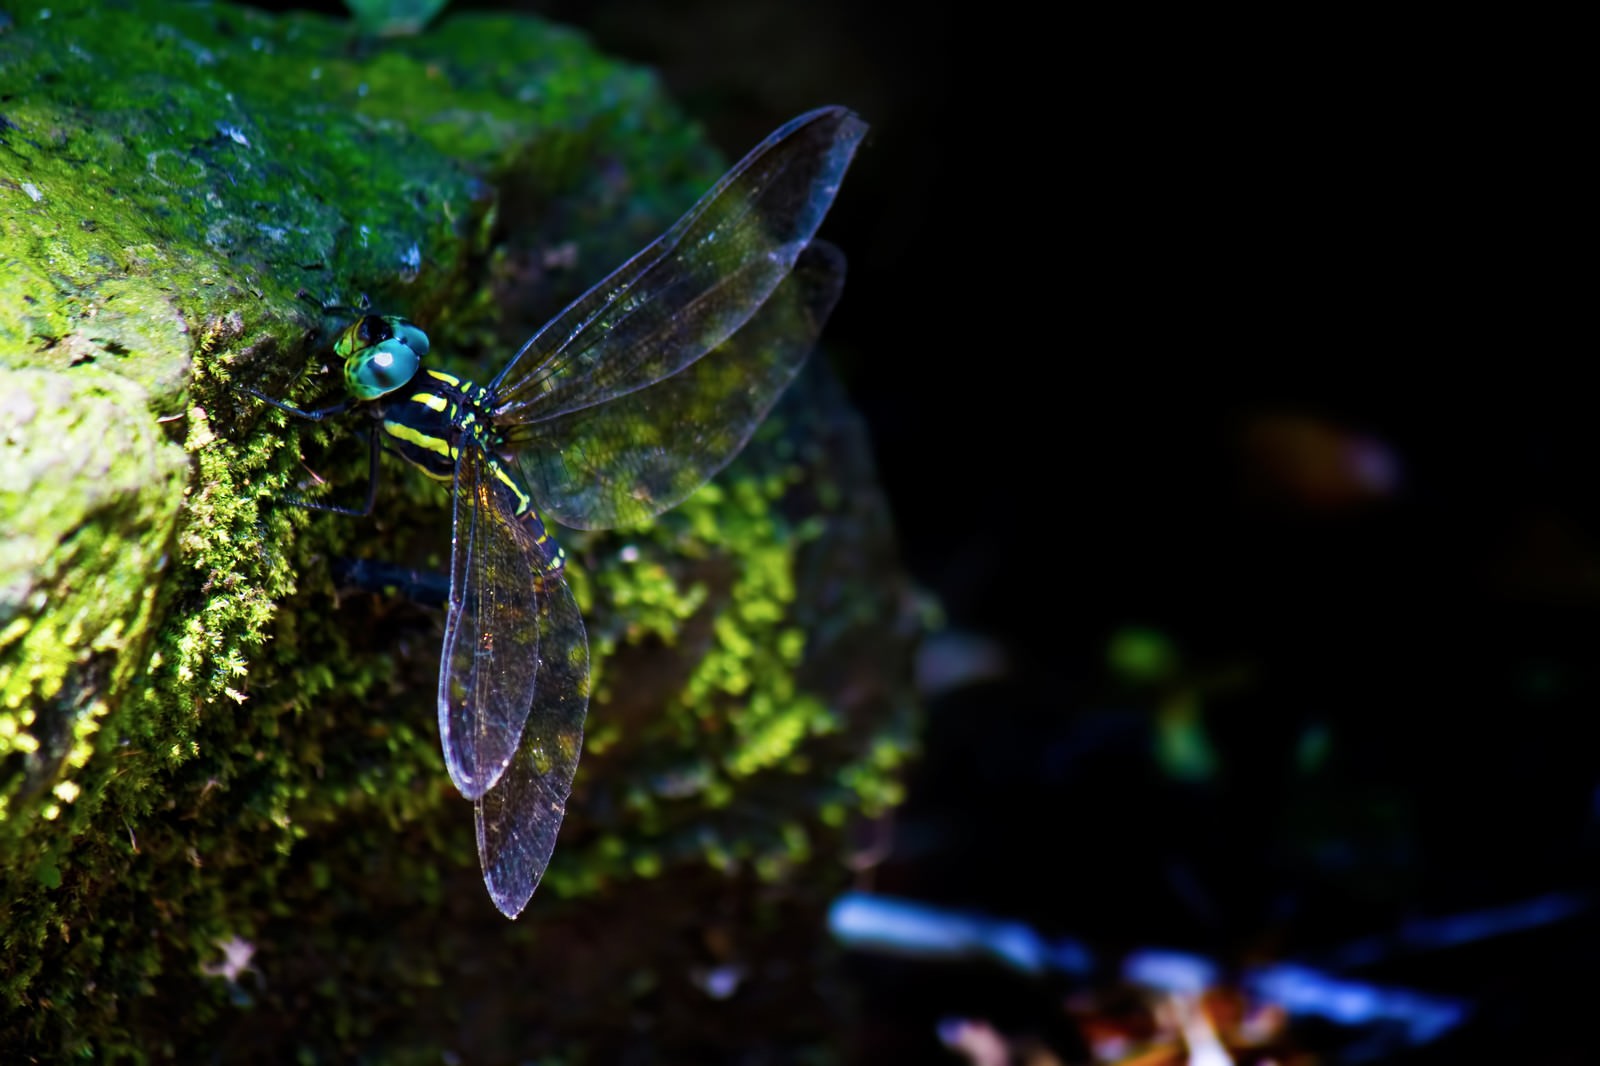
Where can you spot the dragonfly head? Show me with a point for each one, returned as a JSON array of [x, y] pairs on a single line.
[[380, 353]]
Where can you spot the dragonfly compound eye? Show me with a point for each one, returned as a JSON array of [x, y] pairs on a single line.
[[410, 336], [382, 368]]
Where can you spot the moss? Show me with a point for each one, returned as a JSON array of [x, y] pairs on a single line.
[[87, 475], [207, 753]]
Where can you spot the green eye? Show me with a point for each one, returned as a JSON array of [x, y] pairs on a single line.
[[410, 336], [380, 368], [380, 354]]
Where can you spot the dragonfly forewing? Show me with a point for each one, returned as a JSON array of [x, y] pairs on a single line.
[[694, 286], [623, 462]]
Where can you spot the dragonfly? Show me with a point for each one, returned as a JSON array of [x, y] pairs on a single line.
[[617, 409]]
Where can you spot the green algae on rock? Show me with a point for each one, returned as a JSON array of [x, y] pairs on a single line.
[[201, 743]]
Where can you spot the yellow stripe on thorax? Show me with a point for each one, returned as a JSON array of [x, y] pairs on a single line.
[[428, 443]]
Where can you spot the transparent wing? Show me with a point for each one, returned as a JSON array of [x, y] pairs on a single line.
[[507, 616], [519, 817], [692, 287], [624, 461]]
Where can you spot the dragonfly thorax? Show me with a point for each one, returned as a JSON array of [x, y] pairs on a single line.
[[432, 417], [437, 415]]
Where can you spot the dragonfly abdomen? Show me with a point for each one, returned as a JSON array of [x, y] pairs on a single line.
[[551, 558]]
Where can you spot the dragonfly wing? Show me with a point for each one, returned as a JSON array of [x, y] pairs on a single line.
[[519, 817], [692, 287], [628, 460], [489, 672]]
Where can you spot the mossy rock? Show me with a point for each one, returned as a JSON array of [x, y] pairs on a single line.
[[225, 826]]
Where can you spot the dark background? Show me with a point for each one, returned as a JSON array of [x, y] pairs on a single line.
[[1245, 338], [1241, 340]]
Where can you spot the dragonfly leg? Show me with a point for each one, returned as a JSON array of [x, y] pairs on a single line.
[[316, 414], [431, 588], [372, 487]]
